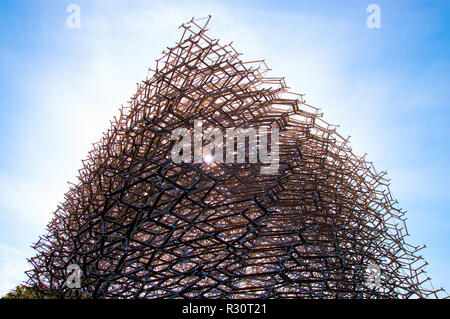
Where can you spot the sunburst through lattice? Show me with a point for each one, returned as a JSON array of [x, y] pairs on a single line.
[[140, 225]]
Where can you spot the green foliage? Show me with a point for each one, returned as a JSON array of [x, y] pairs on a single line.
[[24, 292]]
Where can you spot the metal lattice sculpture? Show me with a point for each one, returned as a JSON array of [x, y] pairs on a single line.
[[140, 225]]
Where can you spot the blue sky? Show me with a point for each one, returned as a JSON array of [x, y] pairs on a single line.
[[388, 88]]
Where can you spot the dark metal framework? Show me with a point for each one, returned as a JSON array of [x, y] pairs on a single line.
[[141, 226]]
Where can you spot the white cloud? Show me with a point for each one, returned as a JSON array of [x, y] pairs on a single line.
[[12, 265]]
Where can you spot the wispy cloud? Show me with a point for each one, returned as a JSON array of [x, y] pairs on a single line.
[[12, 263]]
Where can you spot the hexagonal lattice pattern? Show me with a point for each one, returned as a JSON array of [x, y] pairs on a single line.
[[140, 225]]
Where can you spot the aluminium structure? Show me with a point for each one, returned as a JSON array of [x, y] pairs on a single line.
[[140, 225]]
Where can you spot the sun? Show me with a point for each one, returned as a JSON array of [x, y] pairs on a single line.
[[208, 159]]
